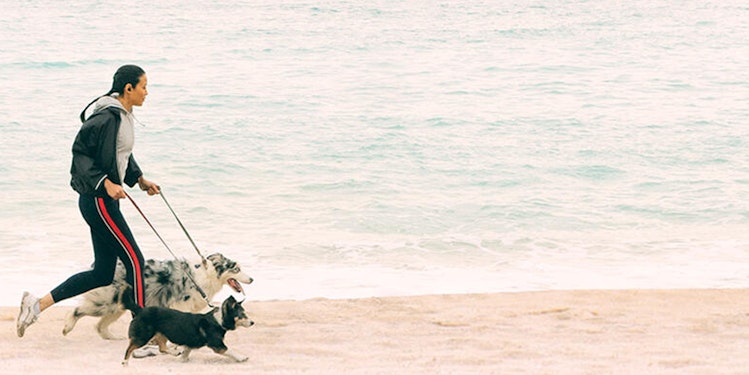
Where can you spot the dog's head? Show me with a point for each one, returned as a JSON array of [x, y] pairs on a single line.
[[229, 272], [233, 315]]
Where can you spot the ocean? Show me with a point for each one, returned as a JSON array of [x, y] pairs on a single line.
[[344, 149]]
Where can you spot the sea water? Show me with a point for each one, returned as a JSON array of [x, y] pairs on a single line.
[[390, 147]]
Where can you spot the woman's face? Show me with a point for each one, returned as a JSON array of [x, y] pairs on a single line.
[[138, 94]]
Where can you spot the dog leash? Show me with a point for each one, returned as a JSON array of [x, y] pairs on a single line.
[[187, 271], [161, 193]]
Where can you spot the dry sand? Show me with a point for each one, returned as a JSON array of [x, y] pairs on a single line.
[[556, 332]]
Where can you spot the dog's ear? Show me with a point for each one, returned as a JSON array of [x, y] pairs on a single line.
[[230, 303]]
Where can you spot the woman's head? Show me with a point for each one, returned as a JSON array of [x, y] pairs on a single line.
[[126, 78], [128, 86], [129, 82]]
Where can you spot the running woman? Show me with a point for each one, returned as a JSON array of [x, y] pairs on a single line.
[[102, 163]]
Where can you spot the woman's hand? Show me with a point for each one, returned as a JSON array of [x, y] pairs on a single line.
[[148, 186], [114, 190]]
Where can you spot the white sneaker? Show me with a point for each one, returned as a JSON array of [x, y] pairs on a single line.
[[146, 351], [27, 316]]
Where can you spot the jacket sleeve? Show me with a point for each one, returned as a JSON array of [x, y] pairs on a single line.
[[133, 172], [86, 173]]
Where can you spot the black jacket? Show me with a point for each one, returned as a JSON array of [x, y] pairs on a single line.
[[95, 155]]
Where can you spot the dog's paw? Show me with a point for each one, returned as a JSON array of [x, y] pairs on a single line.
[[70, 321], [235, 356], [174, 350], [106, 335]]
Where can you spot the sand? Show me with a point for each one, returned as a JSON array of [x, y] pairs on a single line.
[[554, 332]]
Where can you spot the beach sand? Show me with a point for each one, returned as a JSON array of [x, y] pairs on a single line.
[[552, 332]]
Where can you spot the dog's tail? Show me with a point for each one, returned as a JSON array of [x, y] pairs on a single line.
[[127, 300]]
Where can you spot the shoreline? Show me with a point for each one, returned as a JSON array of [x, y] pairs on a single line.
[[701, 331]]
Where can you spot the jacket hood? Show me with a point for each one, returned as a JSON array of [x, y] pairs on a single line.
[[106, 102]]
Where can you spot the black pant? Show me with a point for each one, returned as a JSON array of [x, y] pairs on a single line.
[[112, 239]]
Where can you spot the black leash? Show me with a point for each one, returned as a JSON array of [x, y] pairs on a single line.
[[187, 270]]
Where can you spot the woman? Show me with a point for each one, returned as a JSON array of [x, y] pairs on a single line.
[[102, 162]]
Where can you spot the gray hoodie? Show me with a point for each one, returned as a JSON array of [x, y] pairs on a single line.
[[126, 134]]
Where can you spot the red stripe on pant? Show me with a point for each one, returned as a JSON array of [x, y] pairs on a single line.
[[138, 282]]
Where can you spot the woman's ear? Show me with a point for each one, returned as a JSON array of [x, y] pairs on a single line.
[[129, 87]]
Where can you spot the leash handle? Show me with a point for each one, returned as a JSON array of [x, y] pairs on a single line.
[[161, 193], [187, 271]]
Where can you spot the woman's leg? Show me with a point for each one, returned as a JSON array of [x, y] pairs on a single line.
[[124, 244], [111, 239], [102, 273]]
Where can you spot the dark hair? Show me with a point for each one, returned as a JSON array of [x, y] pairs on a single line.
[[125, 74]]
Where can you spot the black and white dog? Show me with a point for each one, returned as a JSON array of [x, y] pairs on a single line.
[[191, 331], [167, 285]]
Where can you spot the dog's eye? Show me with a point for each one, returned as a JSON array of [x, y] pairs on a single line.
[[236, 269]]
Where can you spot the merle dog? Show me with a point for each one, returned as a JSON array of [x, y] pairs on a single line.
[[167, 285]]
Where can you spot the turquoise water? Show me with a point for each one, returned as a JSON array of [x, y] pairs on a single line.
[[348, 149]]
